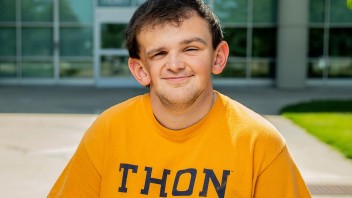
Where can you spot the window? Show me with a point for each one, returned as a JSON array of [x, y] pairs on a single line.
[[340, 42], [264, 11], [330, 43], [234, 68], [7, 69], [316, 42], [340, 68], [36, 69], [38, 11], [264, 42], [339, 13], [237, 39], [79, 11], [113, 66], [316, 11], [75, 41], [264, 68], [250, 30], [72, 68], [112, 36], [7, 11], [119, 3], [234, 11], [8, 42], [37, 41]]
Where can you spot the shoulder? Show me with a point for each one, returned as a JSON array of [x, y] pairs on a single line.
[[125, 106], [262, 136], [115, 114]]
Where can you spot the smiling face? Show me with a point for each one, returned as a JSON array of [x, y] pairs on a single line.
[[177, 62]]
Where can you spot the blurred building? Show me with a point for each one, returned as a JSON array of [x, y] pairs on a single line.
[[285, 43]]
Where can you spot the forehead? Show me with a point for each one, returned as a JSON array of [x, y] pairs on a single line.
[[174, 19], [172, 31]]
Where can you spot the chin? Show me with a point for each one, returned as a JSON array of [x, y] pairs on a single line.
[[180, 98]]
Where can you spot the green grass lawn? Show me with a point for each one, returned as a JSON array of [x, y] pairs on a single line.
[[329, 121]]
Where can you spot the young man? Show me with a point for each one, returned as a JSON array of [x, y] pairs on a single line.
[[182, 139]]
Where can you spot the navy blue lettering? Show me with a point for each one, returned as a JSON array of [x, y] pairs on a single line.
[[149, 180], [125, 168], [189, 191], [220, 188]]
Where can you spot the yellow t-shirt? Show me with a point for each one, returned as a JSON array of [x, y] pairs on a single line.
[[231, 152]]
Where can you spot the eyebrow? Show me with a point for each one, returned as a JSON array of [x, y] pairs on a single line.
[[195, 39], [152, 51], [184, 42]]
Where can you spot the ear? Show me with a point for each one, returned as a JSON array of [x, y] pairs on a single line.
[[221, 56], [138, 71]]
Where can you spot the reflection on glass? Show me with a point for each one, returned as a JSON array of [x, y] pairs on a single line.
[[113, 66], [231, 11], [237, 40], [316, 11], [264, 11], [76, 41], [112, 35], [37, 70], [340, 42], [262, 69], [39, 10], [340, 68], [264, 42], [76, 11], [114, 2], [74, 69], [339, 13], [316, 42], [7, 42], [139, 2], [8, 10], [234, 69], [7, 69], [315, 69], [37, 42]]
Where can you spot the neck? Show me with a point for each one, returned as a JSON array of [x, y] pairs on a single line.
[[181, 118]]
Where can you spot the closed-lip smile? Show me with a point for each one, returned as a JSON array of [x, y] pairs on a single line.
[[177, 79]]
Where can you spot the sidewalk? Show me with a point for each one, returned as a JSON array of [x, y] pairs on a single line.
[[326, 171], [40, 128]]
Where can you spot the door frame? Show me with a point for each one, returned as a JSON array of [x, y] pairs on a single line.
[[110, 15]]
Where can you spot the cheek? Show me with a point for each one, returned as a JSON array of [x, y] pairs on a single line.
[[154, 73], [203, 62], [203, 66]]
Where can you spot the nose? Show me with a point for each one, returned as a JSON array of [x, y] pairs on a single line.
[[175, 62]]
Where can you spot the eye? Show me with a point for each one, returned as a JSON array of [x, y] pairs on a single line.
[[158, 55], [191, 49]]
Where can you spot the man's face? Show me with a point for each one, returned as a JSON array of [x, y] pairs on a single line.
[[179, 61]]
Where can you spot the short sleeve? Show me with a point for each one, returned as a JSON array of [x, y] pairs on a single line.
[[281, 178], [79, 179]]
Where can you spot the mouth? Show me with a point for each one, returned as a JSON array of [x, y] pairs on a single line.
[[177, 79]]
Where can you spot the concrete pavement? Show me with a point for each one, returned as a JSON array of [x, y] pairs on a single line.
[[40, 128], [326, 171]]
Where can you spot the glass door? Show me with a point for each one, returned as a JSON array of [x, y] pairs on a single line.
[[111, 56]]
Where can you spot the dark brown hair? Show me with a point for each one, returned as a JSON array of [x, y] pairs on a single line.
[[162, 12]]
